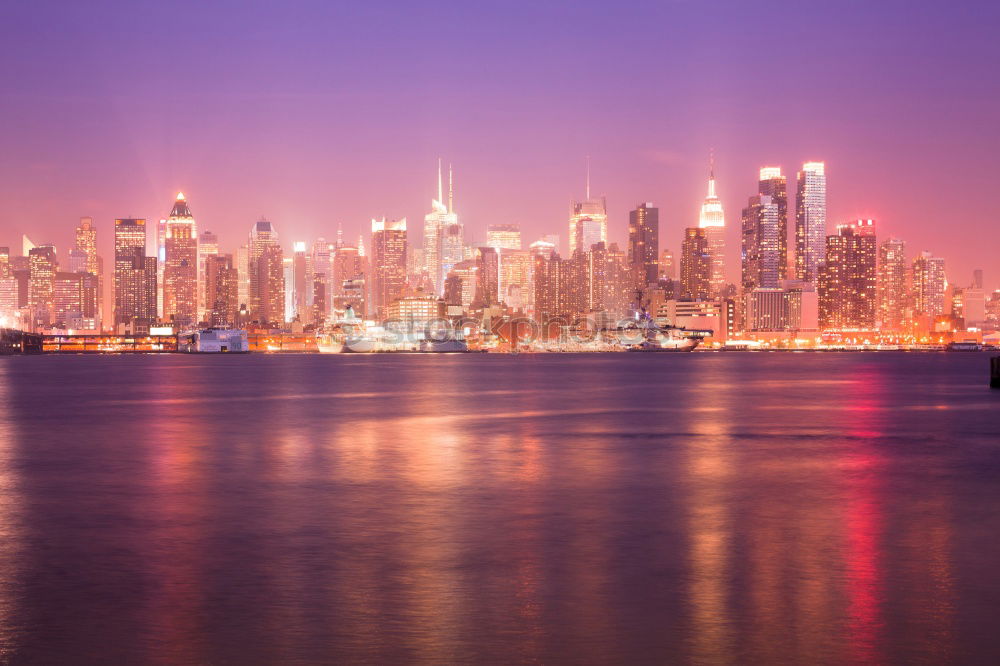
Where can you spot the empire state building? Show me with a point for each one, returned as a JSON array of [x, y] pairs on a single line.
[[713, 220]]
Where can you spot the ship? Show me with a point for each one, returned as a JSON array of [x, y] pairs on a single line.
[[665, 340]]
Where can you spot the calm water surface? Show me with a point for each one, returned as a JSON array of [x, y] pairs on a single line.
[[701, 508]]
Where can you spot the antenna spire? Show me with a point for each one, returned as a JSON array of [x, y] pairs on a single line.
[[711, 173], [440, 191], [451, 191]]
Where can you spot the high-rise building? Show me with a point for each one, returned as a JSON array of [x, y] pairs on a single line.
[[4, 262], [588, 221], [300, 283], [810, 220], [712, 220], [221, 290], [668, 265], [504, 236], [929, 285], [208, 246], [644, 244], [696, 265], [848, 278], [86, 243], [388, 263], [267, 280], [242, 264], [775, 185], [42, 265], [442, 218], [135, 277], [892, 288], [761, 244], [515, 277], [488, 289], [180, 270]]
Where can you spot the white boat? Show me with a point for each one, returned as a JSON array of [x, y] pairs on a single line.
[[328, 344], [666, 342], [359, 345]]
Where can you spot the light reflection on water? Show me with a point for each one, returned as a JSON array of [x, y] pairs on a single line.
[[698, 508]]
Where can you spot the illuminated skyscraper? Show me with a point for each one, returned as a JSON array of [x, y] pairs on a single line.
[[848, 278], [588, 221], [504, 236], [208, 246], [221, 290], [696, 265], [892, 288], [267, 281], [301, 284], [712, 220], [180, 270], [761, 244], [388, 262], [775, 185], [42, 265], [86, 243], [135, 277], [668, 265], [810, 220], [929, 285], [440, 220], [644, 244], [350, 272]]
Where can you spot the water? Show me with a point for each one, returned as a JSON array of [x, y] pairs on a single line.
[[625, 508]]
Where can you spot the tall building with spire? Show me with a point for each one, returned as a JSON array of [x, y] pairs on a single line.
[[712, 220], [439, 224], [588, 221], [180, 270], [810, 221]]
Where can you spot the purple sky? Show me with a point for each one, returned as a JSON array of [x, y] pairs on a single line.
[[314, 113]]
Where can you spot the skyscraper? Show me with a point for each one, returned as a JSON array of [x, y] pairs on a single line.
[[267, 280], [301, 284], [848, 278], [504, 236], [774, 185], [668, 266], [180, 270], [761, 244], [221, 290], [42, 266], [135, 277], [388, 262], [588, 221], [696, 265], [441, 218], [929, 285], [892, 290], [712, 220], [208, 246], [810, 220], [86, 243], [644, 244]]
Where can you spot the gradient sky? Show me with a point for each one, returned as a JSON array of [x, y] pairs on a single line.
[[314, 113]]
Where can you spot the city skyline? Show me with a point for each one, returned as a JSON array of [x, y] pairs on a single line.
[[83, 147]]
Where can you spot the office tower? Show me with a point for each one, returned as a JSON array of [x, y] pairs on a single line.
[[515, 277], [320, 265], [668, 265], [892, 289], [180, 268], [810, 220], [848, 278], [504, 236], [388, 263], [775, 185], [977, 278], [86, 243], [440, 221], [4, 262], [588, 221], [547, 267], [712, 220], [208, 246], [610, 280], [301, 285], [134, 278], [929, 284], [320, 297], [288, 285], [696, 265], [241, 259], [42, 265], [761, 244], [221, 290], [26, 245], [267, 280], [488, 273], [67, 299], [348, 264], [644, 244]]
